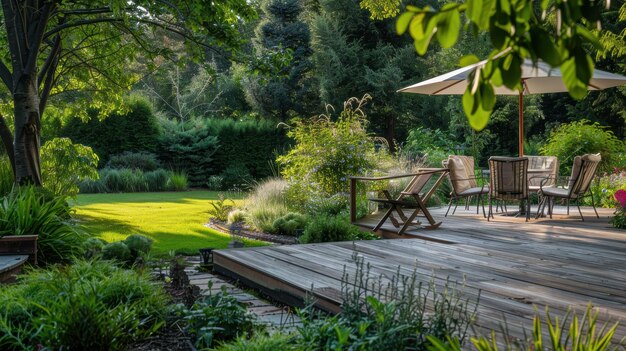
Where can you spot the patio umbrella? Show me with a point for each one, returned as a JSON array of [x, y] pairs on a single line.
[[536, 79]]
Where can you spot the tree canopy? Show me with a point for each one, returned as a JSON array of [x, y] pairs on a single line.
[[86, 51]]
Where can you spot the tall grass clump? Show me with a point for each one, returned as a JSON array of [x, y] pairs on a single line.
[[177, 181], [266, 203], [156, 180], [91, 305], [27, 211]]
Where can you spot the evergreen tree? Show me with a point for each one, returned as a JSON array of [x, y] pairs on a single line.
[[292, 88]]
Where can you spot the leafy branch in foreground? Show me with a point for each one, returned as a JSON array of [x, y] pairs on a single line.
[[554, 31]]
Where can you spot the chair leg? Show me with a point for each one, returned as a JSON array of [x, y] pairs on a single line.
[[449, 205], [550, 206], [456, 204], [490, 213], [541, 206], [579, 211], [567, 207], [593, 204], [527, 209]]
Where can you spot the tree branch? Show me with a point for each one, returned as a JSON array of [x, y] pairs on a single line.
[[6, 76]]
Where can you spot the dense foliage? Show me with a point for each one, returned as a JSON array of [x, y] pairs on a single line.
[[27, 210], [134, 131], [332, 228], [129, 180], [87, 306], [327, 152], [65, 164], [578, 138]]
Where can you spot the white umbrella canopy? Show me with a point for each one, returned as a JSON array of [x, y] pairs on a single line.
[[536, 79]]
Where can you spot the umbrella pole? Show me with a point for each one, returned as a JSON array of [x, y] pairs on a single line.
[[520, 143]]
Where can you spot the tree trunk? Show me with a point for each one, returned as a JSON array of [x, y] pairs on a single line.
[[27, 125]]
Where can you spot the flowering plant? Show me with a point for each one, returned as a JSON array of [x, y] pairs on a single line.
[[619, 220]]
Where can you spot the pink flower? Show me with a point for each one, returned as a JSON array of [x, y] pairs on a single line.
[[620, 196]]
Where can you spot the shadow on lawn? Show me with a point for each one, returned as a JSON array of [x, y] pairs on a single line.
[[98, 225]]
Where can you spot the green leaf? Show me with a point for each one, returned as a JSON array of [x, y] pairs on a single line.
[[511, 76], [543, 46], [577, 89], [416, 29], [468, 60], [498, 36], [488, 96], [449, 25], [477, 116], [403, 22]]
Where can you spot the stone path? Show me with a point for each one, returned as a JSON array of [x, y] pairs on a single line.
[[276, 318]]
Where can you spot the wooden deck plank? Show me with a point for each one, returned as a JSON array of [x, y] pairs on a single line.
[[517, 267]]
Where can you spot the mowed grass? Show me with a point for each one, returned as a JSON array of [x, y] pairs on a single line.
[[174, 220]]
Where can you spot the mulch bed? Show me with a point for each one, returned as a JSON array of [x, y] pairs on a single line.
[[246, 232]]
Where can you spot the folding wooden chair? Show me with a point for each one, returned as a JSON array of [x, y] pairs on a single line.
[[413, 190]]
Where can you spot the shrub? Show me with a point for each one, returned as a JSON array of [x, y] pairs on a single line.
[[326, 228], [117, 251], [236, 215], [138, 245], [327, 152], [65, 164], [87, 306], [177, 181], [289, 223], [136, 130], [93, 247], [217, 318], [582, 137], [143, 161], [27, 211], [157, 180], [432, 142], [188, 147], [327, 205], [236, 177]]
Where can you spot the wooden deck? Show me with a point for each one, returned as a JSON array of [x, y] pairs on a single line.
[[518, 267]]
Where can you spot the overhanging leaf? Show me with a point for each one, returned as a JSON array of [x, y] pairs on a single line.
[[448, 27], [403, 22]]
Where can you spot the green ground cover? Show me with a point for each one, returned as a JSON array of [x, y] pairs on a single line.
[[174, 220]]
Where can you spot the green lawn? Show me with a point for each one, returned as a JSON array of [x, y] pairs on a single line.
[[174, 220]]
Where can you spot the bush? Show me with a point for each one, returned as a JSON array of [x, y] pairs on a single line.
[[188, 147], [215, 183], [582, 137], [27, 211], [142, 161], [327, 205], [131, 180], [136, 130], [93, 247], [327, 152], [434, 143], [138, 245], [326, 229], [217, 318], [236, 177], [87, 306], [117, 251], [65, 164], [289, 223]]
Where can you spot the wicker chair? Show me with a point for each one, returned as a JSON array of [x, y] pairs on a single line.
[[508, 181], [578, 185], [463, 181], [542, 168]]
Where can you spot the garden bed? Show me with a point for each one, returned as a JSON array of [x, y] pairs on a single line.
[[248, 233]]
